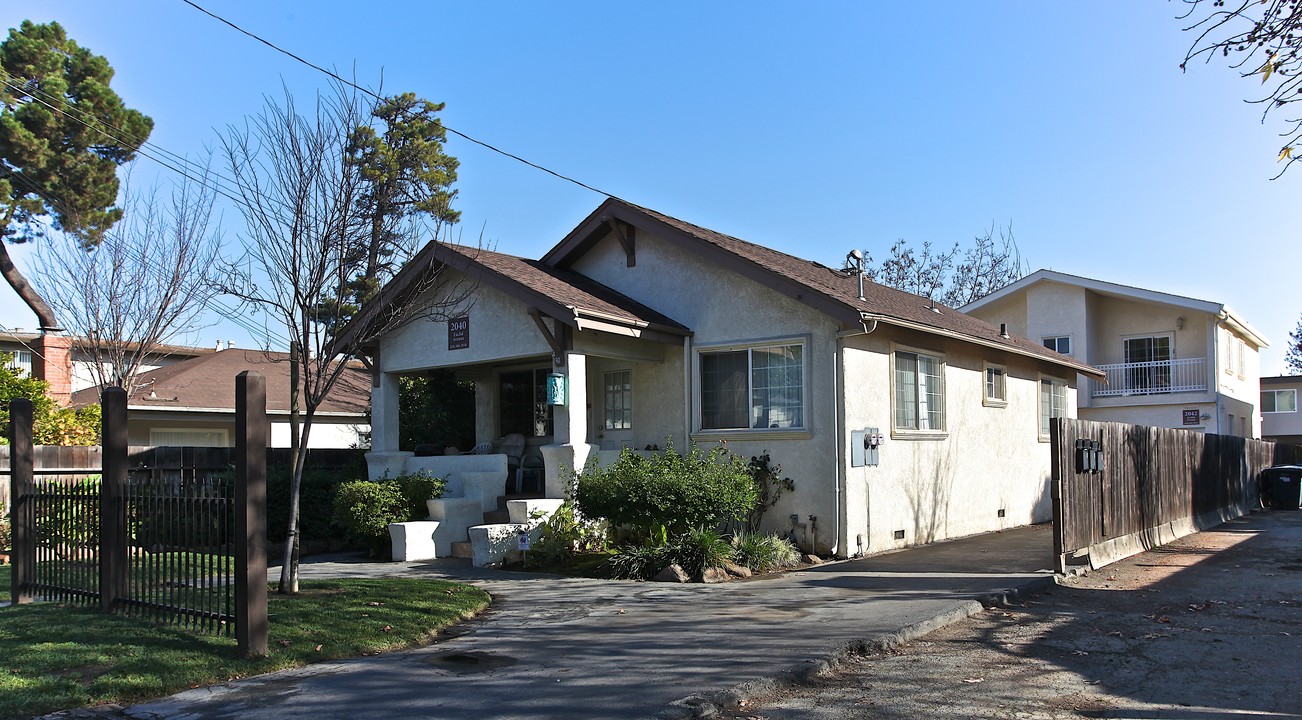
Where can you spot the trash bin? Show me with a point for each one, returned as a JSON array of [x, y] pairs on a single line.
[[1281, 487]]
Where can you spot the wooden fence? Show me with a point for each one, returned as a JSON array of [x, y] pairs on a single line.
[[1119, 489]]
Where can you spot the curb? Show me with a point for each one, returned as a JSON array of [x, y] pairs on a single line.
[[704, 705]]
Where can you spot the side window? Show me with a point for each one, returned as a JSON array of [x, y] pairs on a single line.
[[1053, 403], [618, 400], [919, 391], [996, 394], [1059, 343]]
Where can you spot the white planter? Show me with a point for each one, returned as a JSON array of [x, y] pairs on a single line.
[[413, 540]]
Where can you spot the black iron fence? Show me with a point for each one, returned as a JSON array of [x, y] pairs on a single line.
[[176, 544]]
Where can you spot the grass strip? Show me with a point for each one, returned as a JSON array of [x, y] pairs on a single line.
[[54, 657], [5, 580]]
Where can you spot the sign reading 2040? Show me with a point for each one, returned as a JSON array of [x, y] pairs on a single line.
[[459, 333]]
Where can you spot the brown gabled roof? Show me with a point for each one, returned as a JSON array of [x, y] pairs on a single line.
[[207, 382], [567, 296], [831, 291]]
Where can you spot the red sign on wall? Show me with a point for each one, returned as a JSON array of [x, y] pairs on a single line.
[[459, 333]]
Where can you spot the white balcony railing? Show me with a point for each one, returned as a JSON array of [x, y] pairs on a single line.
[[1152, 378]]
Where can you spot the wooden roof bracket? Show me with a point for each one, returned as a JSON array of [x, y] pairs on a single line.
[[557, 344], [626, 234]]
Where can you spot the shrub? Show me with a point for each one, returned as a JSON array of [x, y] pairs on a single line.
[[6, 542], [763, 553], [564, 535], [698, 549], [667, 490], [76, 524], [769, 486], [365, 508], [316, 500]]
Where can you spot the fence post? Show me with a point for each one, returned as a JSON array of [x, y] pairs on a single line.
[[113, 482], [251, 514], [22, 483]]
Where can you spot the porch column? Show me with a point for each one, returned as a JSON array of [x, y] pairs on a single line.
[[384, 455], [569, 426]]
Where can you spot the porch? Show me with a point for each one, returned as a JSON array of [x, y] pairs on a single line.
[[1157, 377]]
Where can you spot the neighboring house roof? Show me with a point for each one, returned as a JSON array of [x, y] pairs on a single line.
[[832, 291], [1282, 380], [1127, 292], [207, 383]]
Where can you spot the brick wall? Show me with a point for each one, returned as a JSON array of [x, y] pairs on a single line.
[[52, 362]]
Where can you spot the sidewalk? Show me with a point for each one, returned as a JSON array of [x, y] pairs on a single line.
[[576, 648]]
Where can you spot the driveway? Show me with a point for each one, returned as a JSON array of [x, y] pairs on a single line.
[[555, 647]]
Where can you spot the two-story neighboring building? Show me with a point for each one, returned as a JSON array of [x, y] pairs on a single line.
[[1280, 419], [1171, 361]]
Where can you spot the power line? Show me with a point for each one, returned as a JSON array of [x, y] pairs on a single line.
[[375, 95]]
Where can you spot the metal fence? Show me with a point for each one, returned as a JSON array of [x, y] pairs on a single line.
[[179, 543]]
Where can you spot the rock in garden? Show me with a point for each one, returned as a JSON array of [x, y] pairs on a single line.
[[737, 570], [673, 573], [714, 575], [812, 559]]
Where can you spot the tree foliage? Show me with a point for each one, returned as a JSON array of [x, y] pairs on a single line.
[[1255, 37], [1293, 353], [51, 424], [953, 277], [436, 409], [63, 134]]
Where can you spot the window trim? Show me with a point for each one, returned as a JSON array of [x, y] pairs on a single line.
[[1055, 381], [224, 432], [605, 408], [805, 342], [1241, 358], [1276, 393], [1071, 343], [900, 433], [986, 399]]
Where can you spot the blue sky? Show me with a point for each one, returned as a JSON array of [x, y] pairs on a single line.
[[813, 128]]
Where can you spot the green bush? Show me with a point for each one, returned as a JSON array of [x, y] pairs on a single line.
[[699, 549], [316, 500], [638, 562], [6, 541], [563, 536], [667, 490], [364, 508], [763, 553]]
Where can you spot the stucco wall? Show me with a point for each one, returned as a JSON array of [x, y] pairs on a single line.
[[1117, 319], [1010, 311], [1282, 423], [951, 484], [1054, 309], [720, 306], [1170, 416]]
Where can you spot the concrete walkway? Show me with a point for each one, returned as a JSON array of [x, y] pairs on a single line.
[[576, 648]]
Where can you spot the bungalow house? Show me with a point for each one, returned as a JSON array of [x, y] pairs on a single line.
[[1171, 361], [192, 403], [901, 421]]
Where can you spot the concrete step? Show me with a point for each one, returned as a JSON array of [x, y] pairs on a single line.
[[462, 550], [497, 517], [501, 499]]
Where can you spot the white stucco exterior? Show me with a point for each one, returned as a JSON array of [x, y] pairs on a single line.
[[987, 470]]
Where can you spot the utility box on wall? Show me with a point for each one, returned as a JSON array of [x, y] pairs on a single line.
[[864, 445]]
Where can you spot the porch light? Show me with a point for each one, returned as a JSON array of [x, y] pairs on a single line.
[[556, 389]]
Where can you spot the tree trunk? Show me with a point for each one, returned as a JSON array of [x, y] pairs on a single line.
[[289, 567], [44, 315]]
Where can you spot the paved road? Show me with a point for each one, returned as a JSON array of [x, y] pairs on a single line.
[[1208, 627], [575, 648]]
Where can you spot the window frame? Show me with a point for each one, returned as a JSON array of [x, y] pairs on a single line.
[[225, 434], [1042, 428], [1276, 394], [626, 395], [1071, 345], [941, 371], [987, 399], [804, 431]]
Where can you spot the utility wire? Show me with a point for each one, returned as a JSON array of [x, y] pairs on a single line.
[[375, 95]]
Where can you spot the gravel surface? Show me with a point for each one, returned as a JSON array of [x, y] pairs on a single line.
[[1207, 627]]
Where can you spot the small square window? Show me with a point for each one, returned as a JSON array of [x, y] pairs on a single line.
[[1059, 343]]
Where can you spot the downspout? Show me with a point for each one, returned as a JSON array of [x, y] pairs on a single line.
[[838, 402], [1216, 370], [688, 398]]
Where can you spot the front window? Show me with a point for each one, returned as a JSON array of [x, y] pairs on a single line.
[[1053, 403], [757, 388], [522, 403], [618, 393], [1279, 401], [919, 392]]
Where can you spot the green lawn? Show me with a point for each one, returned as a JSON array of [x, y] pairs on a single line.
[[4, 582], [54, 657]]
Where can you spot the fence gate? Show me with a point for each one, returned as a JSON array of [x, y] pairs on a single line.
[[183, 548]]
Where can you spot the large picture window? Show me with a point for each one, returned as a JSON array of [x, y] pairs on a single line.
[[753, 388], [919, 391], [1053, 403], [523, 404]]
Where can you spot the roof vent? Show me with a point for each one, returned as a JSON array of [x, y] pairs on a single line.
[[1003, 330], [854, 262]]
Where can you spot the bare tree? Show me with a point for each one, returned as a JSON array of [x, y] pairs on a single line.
[[147, 283], [309, 207], [987, 265], [1255, 37]]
